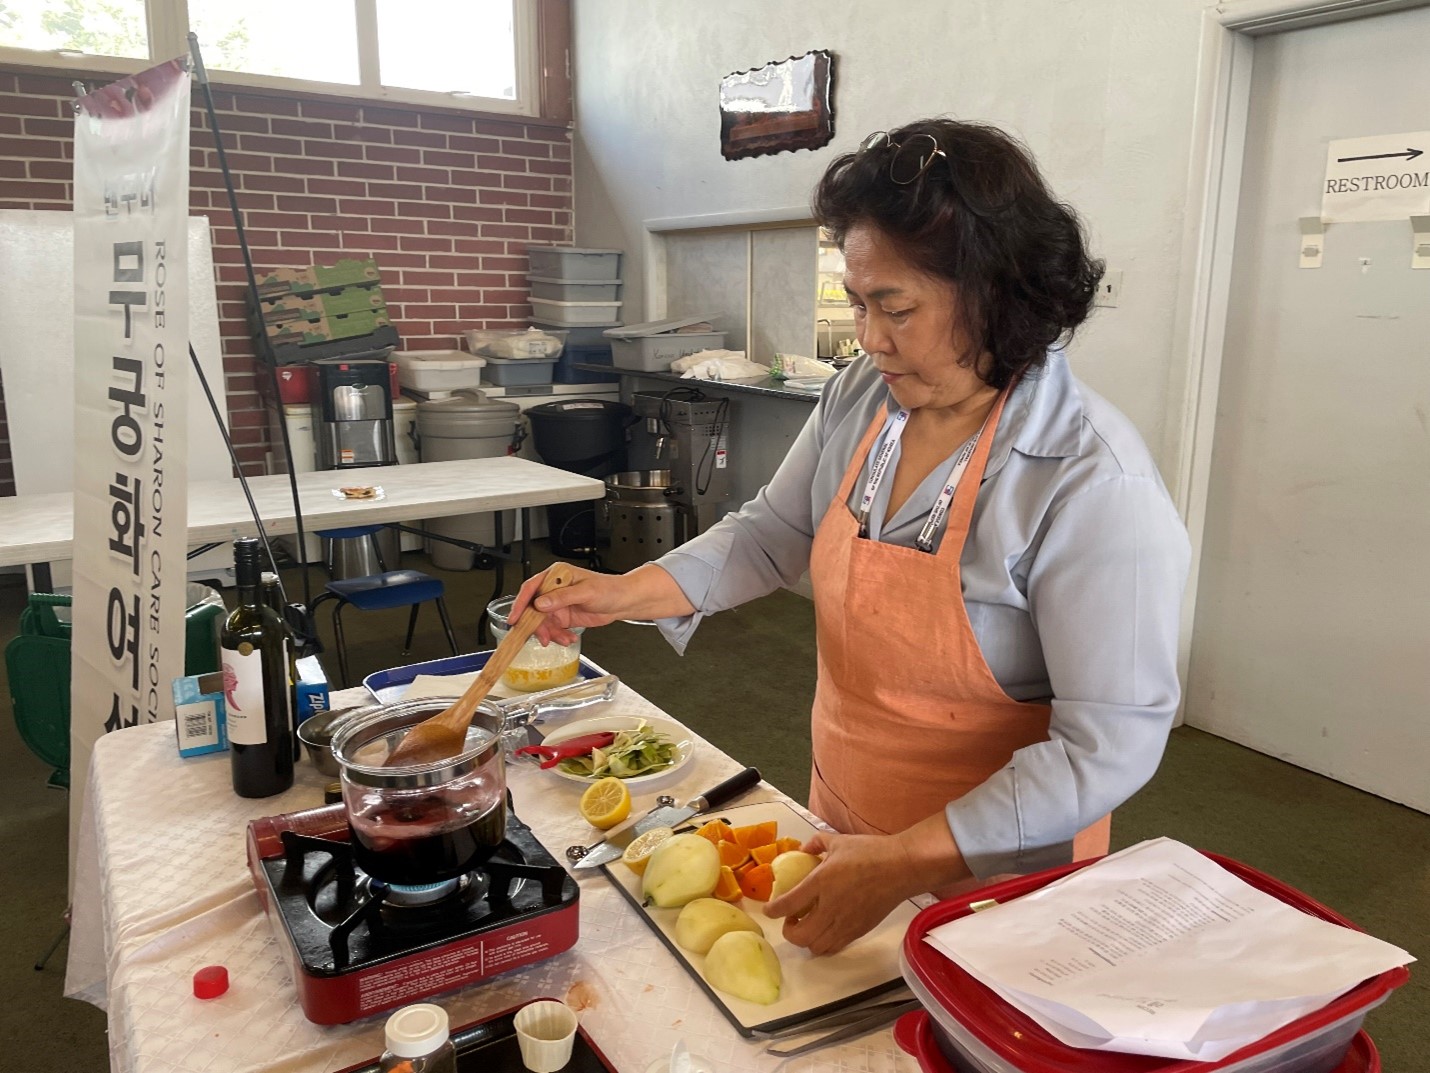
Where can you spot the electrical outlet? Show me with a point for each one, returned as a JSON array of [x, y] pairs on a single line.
[[1109, 288]]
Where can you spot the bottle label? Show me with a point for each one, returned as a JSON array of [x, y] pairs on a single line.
[[243, 695]]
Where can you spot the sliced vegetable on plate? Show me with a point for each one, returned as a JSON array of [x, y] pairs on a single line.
[[640, 751]]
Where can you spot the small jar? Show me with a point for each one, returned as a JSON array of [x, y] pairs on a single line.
[[417, 1041], [536, 666]]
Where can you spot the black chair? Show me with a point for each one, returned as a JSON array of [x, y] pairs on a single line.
[[381, 592]]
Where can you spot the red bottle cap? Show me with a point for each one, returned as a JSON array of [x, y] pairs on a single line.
[[210, 982]]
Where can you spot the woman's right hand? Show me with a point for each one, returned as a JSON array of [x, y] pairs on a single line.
[[594, 599]]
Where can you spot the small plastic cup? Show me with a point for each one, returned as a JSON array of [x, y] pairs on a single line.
[[546, 1031]]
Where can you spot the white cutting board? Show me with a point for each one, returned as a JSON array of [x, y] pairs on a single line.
[[812, 985]]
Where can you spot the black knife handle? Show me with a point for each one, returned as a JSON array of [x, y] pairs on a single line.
[[728, 790]]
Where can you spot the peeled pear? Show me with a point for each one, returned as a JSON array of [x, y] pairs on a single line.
[[681, 869], [744, 964], [704, 920], [790, 869]]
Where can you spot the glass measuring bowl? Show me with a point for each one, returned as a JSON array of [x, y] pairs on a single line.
[[536, 666]]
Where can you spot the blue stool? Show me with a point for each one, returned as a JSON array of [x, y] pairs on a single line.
[[380, 592]]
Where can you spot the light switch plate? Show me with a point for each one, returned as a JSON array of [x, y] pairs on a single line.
[[1109, 288]]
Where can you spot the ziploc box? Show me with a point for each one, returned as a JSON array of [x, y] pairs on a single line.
[[199, 714], [311, 690]]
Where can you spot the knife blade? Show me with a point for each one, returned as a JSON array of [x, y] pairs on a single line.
[[668, 814]]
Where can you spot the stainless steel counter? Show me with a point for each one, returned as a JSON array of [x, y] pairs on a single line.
[[763, 385]]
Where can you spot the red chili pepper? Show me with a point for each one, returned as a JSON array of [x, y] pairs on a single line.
[[553, 754]]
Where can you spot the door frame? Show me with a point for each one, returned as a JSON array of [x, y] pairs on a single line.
[[1223, 101]]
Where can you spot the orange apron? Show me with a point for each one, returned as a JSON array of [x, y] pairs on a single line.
[[907, 715]]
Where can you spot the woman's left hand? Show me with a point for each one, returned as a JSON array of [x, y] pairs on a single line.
[[862, 878]]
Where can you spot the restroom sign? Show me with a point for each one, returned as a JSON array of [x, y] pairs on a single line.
[[1385, 177]]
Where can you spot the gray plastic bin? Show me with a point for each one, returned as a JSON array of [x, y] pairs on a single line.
[[651, 347], [465, 425], [518, 372], [574, 263], [547, 289]]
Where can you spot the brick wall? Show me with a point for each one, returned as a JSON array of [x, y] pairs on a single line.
[[446, 203]]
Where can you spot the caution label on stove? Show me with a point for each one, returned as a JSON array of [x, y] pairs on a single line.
[[465, 962]]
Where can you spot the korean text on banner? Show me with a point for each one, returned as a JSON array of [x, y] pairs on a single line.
[[131, 203]]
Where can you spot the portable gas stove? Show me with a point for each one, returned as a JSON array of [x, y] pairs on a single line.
[[357, 946]]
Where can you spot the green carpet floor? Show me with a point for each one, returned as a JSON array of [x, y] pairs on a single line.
[[746, 685]]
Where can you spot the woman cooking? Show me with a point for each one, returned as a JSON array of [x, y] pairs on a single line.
[[997, 567]]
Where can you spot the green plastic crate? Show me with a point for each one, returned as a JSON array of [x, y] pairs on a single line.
[[37, 662]]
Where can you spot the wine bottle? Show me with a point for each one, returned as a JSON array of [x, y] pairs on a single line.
[[255, 680]]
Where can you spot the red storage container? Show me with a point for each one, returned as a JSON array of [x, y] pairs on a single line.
[[295, 384], [969, 1029], [914, 1035]]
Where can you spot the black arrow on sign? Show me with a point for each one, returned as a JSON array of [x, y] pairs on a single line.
[[1409, 154]]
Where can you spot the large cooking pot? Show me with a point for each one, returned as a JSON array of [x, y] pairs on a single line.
[[422, 823], [639, 486]]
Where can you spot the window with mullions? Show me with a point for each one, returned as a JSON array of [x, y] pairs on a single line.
[[478, 54], [76, 27]]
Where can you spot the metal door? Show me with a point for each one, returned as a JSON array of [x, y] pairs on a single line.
[[1312, 634]]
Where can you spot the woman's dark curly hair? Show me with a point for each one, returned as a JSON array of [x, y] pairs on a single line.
[[981, 217]]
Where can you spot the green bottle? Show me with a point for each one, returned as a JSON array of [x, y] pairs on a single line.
[[255, 680]]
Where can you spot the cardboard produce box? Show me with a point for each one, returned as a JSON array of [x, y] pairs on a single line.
[[347, 272]]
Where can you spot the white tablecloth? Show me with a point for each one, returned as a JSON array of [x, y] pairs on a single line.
[[163, 889]]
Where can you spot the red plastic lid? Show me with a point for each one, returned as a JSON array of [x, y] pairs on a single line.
[[1022, 1043], [913, 1032], [210, 982]]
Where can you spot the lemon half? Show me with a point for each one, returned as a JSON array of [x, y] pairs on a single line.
[[637, 854], [605, 803]]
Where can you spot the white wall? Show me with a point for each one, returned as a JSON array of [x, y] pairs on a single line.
[[1101, 90]]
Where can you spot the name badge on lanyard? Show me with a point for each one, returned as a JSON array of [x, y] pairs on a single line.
[[893, 431]]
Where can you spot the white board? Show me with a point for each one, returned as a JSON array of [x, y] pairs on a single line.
[[37, 349]]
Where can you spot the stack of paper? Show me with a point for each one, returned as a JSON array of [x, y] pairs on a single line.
[[1158, 950]]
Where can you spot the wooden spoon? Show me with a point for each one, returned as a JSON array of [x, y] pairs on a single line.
[[445, 733]]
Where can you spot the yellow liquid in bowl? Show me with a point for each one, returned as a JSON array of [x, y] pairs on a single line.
[[535, 679]]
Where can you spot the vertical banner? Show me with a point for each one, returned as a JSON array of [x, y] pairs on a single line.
[[131, 205]]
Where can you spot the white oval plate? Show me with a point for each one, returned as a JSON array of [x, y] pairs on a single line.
[[377, 493], [684, 747]]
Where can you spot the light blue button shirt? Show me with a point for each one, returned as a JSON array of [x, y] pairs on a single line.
[[1073, 575]]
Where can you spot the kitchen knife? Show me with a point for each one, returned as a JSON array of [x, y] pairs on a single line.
[[667, 814]]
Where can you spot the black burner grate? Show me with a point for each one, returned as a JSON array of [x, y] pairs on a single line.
[[341, 919]]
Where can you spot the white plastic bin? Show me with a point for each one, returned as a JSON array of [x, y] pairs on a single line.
[[429, 371], [576, 314], [575, 263]]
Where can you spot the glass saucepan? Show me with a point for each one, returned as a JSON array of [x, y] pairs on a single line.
[[427, 822]]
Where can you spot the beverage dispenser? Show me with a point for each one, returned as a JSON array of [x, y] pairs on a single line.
[[352, 413]]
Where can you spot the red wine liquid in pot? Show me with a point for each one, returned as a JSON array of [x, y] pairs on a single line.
[[425, 840]]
